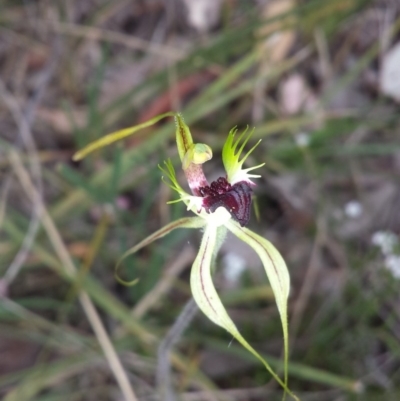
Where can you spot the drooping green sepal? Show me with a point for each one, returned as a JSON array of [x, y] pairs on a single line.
[[277, 273], [208, 300]]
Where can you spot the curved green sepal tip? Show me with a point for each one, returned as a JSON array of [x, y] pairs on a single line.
[[124, 282]]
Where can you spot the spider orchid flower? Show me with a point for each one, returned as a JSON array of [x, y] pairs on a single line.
[[221, 206]]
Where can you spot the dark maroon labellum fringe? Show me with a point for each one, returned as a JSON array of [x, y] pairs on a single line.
[[236, 199]]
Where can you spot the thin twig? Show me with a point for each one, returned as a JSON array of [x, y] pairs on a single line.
[[308, 282], [87, 305], [27, 138], [24, 122], [3, 198], [94, 33], [64, 337]]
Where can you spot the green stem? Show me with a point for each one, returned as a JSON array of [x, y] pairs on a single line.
[[221, 235]]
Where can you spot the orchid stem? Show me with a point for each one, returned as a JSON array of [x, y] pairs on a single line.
[[163, 374]]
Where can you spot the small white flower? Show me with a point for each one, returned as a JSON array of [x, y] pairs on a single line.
[[392, 263], [388, 241], [302, 139], [385, 240], [353, 209]]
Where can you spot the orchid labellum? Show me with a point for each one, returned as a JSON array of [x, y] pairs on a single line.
[[221, 206]]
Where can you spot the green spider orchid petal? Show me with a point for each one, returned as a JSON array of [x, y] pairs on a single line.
[[117, 135]]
